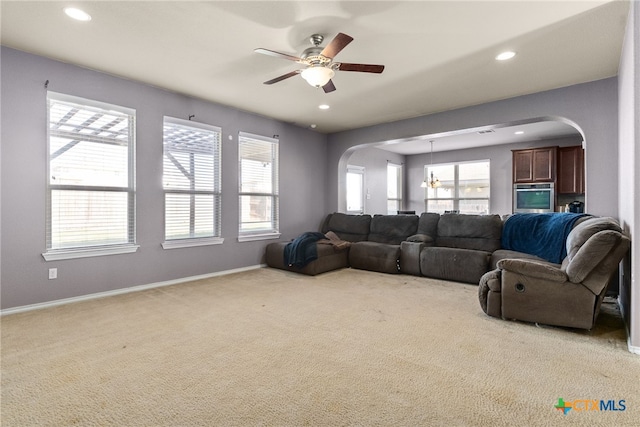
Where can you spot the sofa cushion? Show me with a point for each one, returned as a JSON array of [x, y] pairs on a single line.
[[460, 265], [428, 224], [392, 229], [353, 228], [374, 256], [481, 232]]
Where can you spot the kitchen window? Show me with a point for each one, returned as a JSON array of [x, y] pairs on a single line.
[[460, 187]]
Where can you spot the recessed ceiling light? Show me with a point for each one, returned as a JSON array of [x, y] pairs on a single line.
[[323, 107], [505, 55], [520, 132], [313, 126], [77, 14]]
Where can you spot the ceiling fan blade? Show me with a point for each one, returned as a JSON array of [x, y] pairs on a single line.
[[363, 68], [337, 44], [282, 77], [329, 87], [277, 54]]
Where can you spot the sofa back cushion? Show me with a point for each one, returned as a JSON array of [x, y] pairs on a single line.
[[353, 228], [480, 232], [594, 249], [428, 224], [392, 229], [584, 230]]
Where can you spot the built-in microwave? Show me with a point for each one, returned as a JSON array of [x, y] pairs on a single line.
[[533, 198]]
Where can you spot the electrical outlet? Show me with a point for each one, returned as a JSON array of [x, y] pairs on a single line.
[[53, 273]]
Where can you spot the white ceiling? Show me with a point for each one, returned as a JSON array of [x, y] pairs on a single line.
[[439, 55], [507, 133]]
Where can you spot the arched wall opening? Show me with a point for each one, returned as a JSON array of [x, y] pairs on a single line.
[[492, 142]]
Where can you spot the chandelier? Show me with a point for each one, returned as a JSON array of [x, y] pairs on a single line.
[[434, 182]]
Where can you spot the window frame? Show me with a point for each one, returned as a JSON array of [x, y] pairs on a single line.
[[456, 189], [356, 170], [272, 232], [216, 192], [71, 252]]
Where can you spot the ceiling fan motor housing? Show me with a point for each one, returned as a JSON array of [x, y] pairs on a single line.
[[310, 52], [313, 55], [316, 39]]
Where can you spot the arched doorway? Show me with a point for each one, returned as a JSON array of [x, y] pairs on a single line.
[[492, 141]]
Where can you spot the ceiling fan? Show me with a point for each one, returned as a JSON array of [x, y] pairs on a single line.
[[319, 64]]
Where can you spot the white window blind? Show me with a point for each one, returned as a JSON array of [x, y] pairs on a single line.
[[91, 177], [191, 180], [259, 204]]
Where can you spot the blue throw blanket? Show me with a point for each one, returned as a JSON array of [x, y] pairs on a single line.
[[543, 235], [302, 250]]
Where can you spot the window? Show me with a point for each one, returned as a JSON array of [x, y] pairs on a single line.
[[191, 181], [464, 187], [91, 178], [355, 189], [394, 188], [259, 202]]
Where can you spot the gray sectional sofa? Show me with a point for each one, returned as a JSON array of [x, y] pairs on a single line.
[[453, 247]]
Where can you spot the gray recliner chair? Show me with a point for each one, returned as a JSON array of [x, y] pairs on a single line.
[[567, 294]]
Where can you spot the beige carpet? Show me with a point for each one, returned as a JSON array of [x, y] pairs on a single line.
[[271, 348]]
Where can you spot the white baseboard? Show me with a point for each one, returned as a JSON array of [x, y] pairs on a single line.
[[632, 348], [139, 288]]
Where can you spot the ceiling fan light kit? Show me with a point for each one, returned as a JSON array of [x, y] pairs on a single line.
[[317, 76], [319, 65]]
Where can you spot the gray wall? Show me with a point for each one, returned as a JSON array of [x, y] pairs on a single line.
[[501, 170], [375, 162], [23, 156], [629, 176]]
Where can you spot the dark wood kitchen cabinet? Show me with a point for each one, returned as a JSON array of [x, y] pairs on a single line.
[[570, 170], [534, 165]]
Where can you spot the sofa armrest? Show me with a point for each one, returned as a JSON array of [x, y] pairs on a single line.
[[531, 268], [421, 238], [410, 257]]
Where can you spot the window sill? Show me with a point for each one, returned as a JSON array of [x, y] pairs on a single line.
[[254, 237], [57, 255], [189, 243]]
